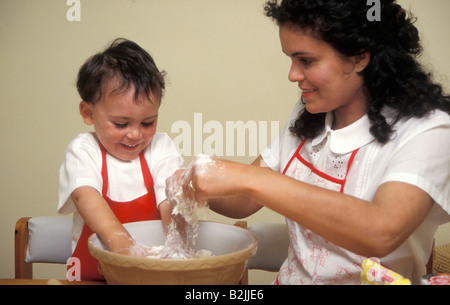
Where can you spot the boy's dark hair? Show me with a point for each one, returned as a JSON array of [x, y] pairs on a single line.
[[393, 77], [126, 61]]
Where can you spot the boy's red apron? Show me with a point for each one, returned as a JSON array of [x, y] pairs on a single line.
[[302, 170], [140, 209]]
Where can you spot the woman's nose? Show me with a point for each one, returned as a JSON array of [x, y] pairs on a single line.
[[296, 74]]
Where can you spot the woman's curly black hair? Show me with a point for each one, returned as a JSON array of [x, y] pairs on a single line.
[[393, 77]]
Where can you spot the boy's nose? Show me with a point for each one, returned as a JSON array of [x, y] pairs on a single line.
[[134, 134]]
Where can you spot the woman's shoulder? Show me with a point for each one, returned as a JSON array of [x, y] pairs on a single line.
[[440, 116], [432, 126], [434, 119]]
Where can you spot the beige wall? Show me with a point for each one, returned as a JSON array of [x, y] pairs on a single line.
[[222, 57]]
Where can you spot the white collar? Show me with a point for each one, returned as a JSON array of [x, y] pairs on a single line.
[[346, 139]]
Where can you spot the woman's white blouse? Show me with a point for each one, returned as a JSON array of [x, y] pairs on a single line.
[[418, 153]]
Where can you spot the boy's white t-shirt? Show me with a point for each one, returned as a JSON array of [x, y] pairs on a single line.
[[83, 164], [418, 154]]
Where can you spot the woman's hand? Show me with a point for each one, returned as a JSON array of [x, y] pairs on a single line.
[[208, 178], [218, 183]]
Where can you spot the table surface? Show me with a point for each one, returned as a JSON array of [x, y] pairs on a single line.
[[47, 282]]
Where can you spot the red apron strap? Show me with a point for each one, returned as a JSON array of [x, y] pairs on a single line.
[[350, 161], [297, 152], [148, 179], [104, 171]]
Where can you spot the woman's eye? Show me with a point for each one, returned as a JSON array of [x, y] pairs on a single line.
[[305, 61]]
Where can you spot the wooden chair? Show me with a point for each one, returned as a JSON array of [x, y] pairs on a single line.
[[41, 240]]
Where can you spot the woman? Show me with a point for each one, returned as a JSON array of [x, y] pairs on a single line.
[[363, 167]]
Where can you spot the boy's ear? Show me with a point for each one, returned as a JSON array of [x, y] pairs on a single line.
[[86, 113]]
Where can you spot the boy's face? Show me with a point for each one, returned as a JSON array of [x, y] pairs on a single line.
[[125, 127]]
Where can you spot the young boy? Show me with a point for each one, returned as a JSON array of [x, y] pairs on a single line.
[[117, 174]]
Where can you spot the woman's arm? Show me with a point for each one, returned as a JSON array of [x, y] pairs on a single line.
[[237, 206], [367, 228]]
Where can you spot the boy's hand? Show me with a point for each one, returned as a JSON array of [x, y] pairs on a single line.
[[139, 250]]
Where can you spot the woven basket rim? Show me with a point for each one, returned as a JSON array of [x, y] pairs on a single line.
[[441, 260]]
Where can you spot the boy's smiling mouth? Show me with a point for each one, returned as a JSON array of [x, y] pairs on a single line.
[[130, 146]]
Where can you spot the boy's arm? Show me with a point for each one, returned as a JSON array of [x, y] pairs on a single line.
[[101, 219], [165, 210]]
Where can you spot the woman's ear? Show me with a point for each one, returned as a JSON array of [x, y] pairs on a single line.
[[362, 61], [86, 113]]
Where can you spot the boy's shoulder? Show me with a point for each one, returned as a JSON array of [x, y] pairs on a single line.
[[84, 144], [161, 147], [160, 142], [87, 139], [161, 137]]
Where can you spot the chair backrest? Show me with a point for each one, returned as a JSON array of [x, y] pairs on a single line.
[[273, 244], [45, 239]]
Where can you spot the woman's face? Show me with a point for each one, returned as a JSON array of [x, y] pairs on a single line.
[[328, 80]]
